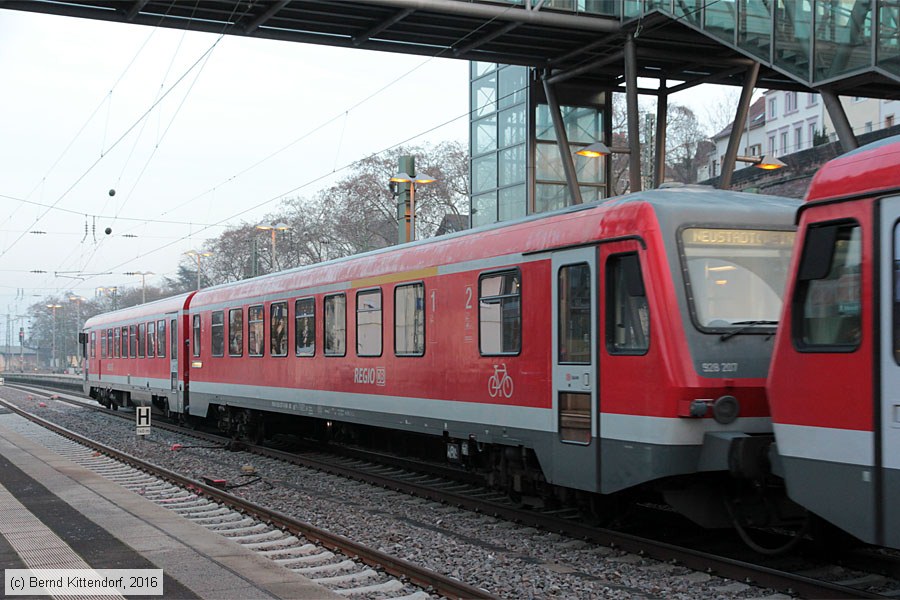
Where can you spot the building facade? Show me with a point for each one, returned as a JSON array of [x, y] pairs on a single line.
[[784, 122]]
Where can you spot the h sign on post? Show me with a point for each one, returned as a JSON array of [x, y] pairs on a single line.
[[142, 416]]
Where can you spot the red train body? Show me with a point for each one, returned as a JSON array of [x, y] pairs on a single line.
[[615, 346], [152, 334], [834, 387]]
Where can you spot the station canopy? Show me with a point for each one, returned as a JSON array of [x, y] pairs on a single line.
[[849, 47]]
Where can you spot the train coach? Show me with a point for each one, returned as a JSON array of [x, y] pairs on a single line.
[[835, 381], [132, 356], [607, 347]]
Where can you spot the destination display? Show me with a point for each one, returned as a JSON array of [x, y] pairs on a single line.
[[738, 237]]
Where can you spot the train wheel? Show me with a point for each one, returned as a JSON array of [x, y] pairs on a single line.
[[251, 426], [258, 434]]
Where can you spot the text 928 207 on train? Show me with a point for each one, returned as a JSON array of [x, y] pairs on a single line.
[[605, 350]]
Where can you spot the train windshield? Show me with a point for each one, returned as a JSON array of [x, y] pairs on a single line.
[[735, 277]]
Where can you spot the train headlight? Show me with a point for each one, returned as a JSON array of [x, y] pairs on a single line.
[[726, 409]]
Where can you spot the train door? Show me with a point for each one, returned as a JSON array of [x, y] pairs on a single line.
[[890, 371], [172, 318], [574, 307]]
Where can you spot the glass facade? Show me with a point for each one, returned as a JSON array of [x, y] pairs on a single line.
[[815, 40], [515, 165], [887, 52], [514, 174], [498, 153]]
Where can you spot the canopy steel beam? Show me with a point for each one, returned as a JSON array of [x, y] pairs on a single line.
[[737, 127]]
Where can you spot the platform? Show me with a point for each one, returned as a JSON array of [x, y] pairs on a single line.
[[55, 514]]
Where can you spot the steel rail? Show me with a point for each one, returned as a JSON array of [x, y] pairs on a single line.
[[734, 569], [441, 584]]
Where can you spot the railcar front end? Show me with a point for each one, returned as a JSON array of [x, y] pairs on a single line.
[[835, 378]]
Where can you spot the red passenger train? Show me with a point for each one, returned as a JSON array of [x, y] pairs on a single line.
[[834, 388], [613, 346]]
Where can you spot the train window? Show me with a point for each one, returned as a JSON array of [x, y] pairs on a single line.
[[256, 335], [575, 418], [93, 344], [335, 325], [236, 332], [140, 339], [409, 320], [627, 311], [896, 302], [305, 327], [735, 277], [217, 333], [103, 343], [133, 343], [896, 288], [368, 323], [151, 339], [575, 314], [196, 327], [117, 342], [161, 338], [500, 313], [173, 337], [278, 324], [827, 302]]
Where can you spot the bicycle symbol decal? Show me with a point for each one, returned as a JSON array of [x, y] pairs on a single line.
[[500, 382]]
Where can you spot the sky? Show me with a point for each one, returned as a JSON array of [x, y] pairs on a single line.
[[193, 132]]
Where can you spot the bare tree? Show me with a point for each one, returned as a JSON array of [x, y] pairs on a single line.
[[720, 105], [234, 254], [359, 212], [684, 136]]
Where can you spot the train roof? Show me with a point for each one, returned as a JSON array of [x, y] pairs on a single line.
[[150, 309], [568, 226], [871, 169]]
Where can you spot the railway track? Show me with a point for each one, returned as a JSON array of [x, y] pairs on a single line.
[[335, 562], [803, 578]]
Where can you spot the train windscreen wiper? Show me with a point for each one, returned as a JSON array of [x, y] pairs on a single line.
[[746, 325]]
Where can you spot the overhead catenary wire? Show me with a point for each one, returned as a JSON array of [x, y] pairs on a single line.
[[96, 247], [304, 185], [123, 136], [116, 143], [223, 222]]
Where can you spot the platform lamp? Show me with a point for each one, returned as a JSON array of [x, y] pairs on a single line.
[[598, 149], [767, 163], [53, 308], [143, 275], [413, 181], [273, 229], [78, 300], [199, 255]]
